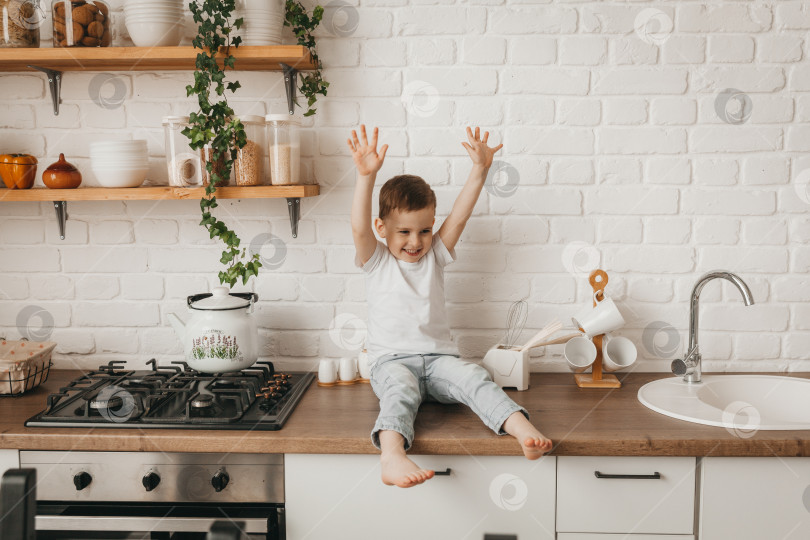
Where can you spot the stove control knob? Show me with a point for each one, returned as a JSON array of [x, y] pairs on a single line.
[[220, 480], [82, 480], [150, 481]]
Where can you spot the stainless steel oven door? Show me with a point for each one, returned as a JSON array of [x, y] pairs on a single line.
[[60, 521]]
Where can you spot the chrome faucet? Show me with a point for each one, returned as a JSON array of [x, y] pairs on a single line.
[[689, 367]]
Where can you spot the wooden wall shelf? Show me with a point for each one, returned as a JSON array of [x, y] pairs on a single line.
[[60, 197], [155, 193], [248, 58], [53, 61]]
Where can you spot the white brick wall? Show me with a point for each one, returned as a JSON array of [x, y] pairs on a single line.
[[622, 150]]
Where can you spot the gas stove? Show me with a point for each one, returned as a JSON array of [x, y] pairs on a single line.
[[176, 397]]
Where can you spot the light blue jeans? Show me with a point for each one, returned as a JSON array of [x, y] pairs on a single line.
[[404, 381]]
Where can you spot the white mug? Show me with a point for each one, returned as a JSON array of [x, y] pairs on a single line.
[[600, 319], [348, 368], [327, 371], [363, 366], [580, 352], [618, 353]]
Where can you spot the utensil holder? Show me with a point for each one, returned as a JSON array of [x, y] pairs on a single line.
[[508, 366], [596, 379]]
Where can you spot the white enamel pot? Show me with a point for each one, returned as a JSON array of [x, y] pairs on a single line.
[[221, 334]]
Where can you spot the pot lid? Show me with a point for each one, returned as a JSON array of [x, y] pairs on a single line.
[[62, 165], [219, 299]]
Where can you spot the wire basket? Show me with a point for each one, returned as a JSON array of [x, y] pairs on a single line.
[[19, 373]]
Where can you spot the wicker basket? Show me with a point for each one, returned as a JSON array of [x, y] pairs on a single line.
[[23, 365]]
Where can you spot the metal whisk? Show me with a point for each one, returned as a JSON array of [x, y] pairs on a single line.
[[515, 322]]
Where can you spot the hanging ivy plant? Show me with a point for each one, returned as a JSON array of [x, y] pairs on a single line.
[[297, 18], [213, 129]]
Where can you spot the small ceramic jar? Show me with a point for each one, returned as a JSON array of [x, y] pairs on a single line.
[[62, 175]]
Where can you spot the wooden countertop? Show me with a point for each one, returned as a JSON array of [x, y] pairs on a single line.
[[338, 420]]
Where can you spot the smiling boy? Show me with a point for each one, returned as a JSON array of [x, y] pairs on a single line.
[[411, 351]]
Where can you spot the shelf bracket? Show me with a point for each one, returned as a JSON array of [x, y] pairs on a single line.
[[55, 84], [294, 209], [290, 84], [61, 216]]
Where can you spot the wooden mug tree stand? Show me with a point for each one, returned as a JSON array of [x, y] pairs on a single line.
[[596, 379]]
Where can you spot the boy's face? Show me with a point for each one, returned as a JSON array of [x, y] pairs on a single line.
[[408, 234]]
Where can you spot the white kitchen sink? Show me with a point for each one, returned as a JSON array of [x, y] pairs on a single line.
[[744, 403]]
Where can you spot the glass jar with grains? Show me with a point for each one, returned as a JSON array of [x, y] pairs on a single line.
[[20, 21], [77, 23], [249, 164], [284, 148]]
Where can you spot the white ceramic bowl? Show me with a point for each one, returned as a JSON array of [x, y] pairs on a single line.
[[113, 177], [134, 143], [151, 13], [140, 164], [155, 34]]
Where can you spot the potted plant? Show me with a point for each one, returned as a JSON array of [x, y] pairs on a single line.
[[213, 126]]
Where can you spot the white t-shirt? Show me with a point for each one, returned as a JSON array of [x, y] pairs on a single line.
[[406, 309]]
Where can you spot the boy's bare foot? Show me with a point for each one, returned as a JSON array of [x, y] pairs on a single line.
[[533, 443], [535, 446], [398, 470]]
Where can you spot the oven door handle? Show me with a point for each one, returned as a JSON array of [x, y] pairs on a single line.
[[140, 524]]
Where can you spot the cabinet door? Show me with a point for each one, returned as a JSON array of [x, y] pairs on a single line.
[[9, 459], [755, 498], [601, 536], [637, 495], [342, 496]]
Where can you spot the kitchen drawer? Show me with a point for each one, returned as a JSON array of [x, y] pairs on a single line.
[[341, 496], [638, 505], [601, 536]]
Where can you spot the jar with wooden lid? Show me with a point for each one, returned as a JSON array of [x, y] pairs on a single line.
[[248, 167], [19, 23], [284, 148], [77, 23]]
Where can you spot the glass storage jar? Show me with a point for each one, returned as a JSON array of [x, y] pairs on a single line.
[[184, 164], [248, 167], [284, 148], [77, 23], [207, 154], [20, 21]]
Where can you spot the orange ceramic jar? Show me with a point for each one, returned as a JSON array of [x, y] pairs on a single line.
[[18, 170]]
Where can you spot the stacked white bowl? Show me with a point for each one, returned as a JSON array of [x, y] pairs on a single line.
[[155, 23], [262, 21], [119, 164]]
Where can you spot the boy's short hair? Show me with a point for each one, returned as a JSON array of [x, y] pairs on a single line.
[[405, 192]]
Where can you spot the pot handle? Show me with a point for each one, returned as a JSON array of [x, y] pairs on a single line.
[[252, 297]]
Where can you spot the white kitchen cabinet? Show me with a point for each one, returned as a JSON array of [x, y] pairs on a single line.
[[342, 496], [599, 536], [9, 459], [755, 498], [657, 496]]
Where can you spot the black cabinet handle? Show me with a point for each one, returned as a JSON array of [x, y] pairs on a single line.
[[445, 472], [653, 476]]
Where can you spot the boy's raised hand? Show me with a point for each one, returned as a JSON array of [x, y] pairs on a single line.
[[480, 153], [365, 155]]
